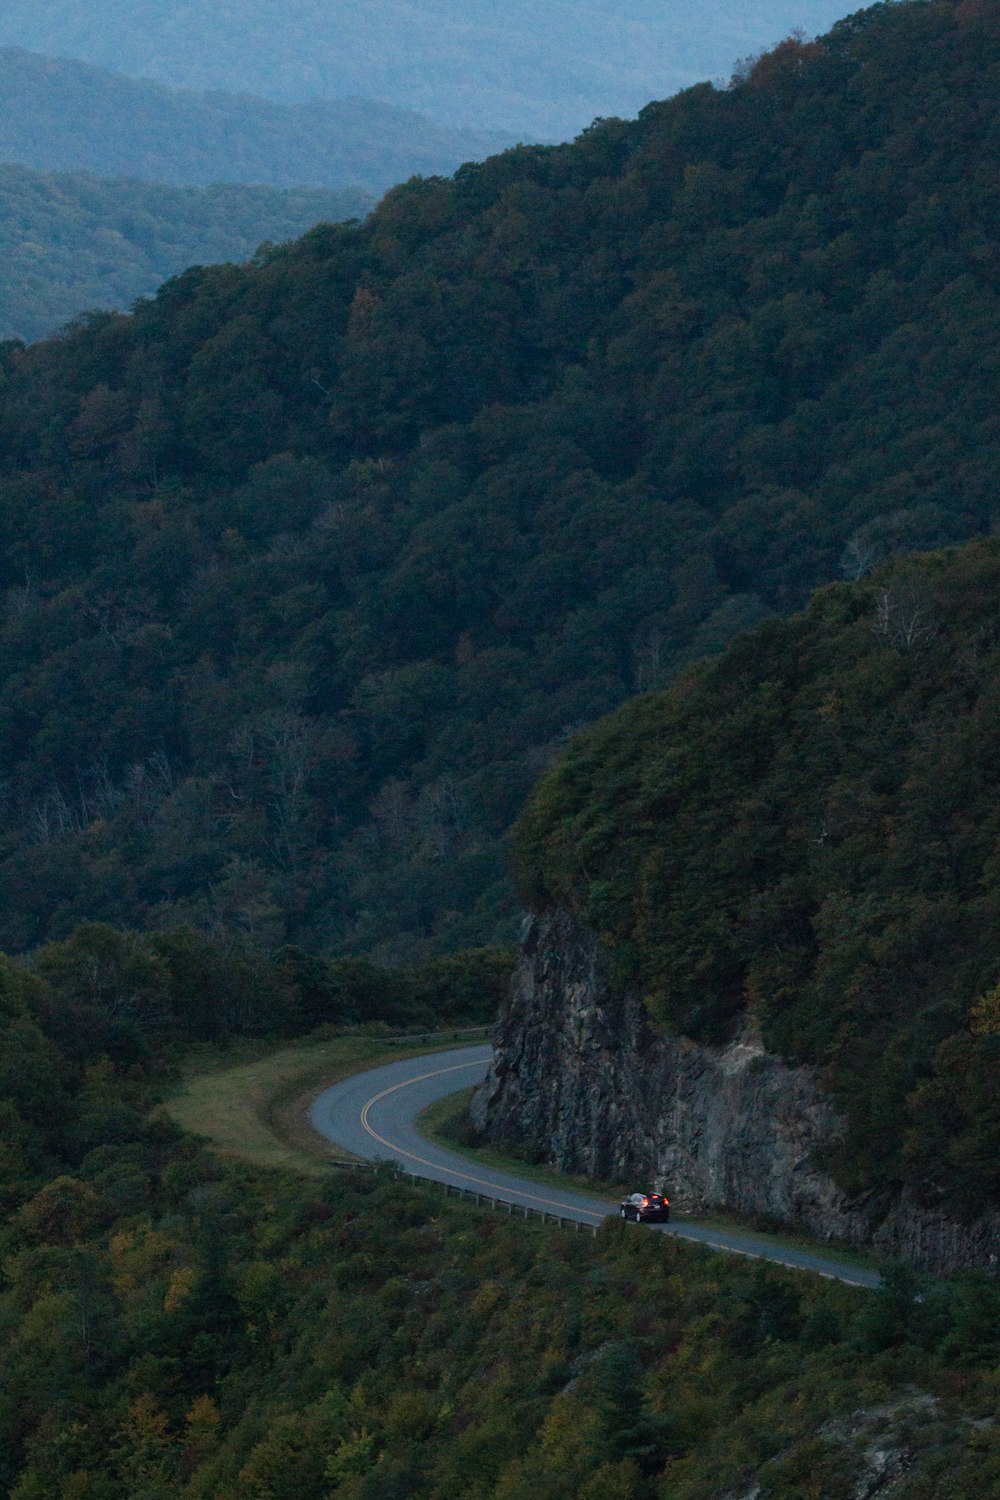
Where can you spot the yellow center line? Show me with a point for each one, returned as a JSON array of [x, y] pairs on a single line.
[[483, 1182]]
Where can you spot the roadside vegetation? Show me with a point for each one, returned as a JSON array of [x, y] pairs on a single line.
[[447, 1122], [257, 1110], [178, 1326], [177, 1323]]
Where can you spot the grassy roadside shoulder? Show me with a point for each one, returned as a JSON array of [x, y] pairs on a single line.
[[443, 1123], [253, 1104], [256, 1108]]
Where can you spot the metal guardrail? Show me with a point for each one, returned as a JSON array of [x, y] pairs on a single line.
[[511, 1209], [453, 1034], [482, 1200], [518, 1210]]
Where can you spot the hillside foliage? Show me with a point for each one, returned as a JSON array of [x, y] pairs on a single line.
[[807, 830], [310, 568], [173, 1326], [63, 115], [72, 242]]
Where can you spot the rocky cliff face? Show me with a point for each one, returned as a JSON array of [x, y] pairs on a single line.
[[581, 1075]]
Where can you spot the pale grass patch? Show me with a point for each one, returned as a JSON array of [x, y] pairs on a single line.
[[258, 1110]]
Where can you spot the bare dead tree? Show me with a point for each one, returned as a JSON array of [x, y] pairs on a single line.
[[39, 824], [144, 785], [442, 816], [650, 659], [903, 615], [162, 771], [859, 556], [21, 600], [392, 814], [50, 818]]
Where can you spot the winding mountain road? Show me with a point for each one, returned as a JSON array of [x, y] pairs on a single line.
[[373, 1115]]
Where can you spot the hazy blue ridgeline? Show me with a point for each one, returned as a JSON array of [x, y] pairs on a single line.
[[69, 116], [542, 72]]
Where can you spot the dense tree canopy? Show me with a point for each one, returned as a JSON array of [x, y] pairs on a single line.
[[70, 242], [808, 829], [175, 1326], [311, 567]]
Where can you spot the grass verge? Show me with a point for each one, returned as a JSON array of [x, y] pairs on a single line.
[[444, 1122], [253, 1104], [257, 1108]]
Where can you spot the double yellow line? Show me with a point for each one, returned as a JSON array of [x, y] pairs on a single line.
[[496, 1188]]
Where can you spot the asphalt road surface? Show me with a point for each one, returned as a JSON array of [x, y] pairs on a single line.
[[373, 1116]]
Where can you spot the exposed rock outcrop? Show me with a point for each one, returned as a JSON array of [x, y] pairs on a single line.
[[580, 1074]]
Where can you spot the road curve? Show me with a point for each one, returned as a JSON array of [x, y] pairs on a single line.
[[373, 1115]]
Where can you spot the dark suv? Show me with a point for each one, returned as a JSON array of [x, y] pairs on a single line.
[[646, 1208]]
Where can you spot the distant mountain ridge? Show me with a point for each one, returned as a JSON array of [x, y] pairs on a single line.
[[71, 242], [545, 70], [69, 116]]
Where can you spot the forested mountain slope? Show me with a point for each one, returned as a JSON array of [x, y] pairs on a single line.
[[70, 242], [312, 566], [520, 67], [67, 116], [173, 1325], [806, 831]]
